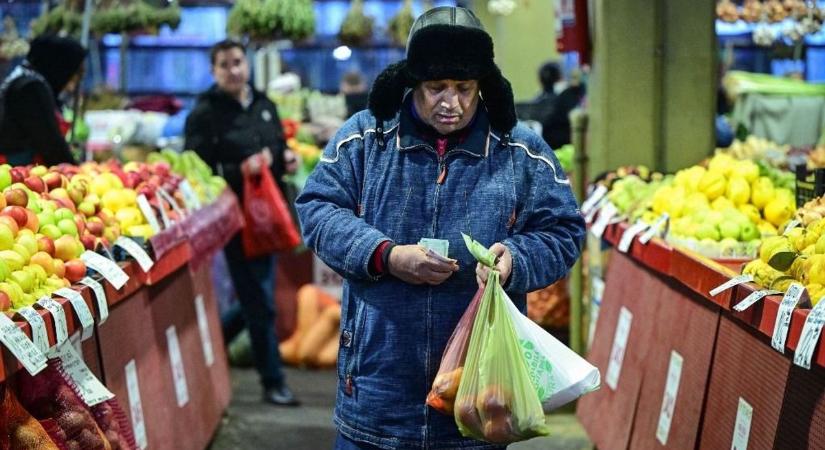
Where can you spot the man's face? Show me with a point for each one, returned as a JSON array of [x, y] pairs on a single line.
[[446, 105], [231, 71]]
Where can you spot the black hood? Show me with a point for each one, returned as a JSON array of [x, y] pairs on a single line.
[[57, 59]]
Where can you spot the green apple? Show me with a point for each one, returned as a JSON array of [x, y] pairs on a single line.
[[67, 226], [28, 241], [63, 213], [749, 232], [729, 230], [23, 252], [6, 237], [51, 230], [707, 231], [4, 270], [45, 218], [39, 171], [12, 259], [5, 178], [23, 279]]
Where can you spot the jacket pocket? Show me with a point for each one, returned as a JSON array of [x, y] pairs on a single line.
[[348, 353]]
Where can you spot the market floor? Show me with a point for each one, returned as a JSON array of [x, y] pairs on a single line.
[[251, 424]]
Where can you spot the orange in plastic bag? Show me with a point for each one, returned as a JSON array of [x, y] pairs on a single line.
[[445, 386]]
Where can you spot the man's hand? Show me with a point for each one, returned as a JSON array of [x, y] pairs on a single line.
[[504, 265], [410, 263], [290, 161], [255, 163]]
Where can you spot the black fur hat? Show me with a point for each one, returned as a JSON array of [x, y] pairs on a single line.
[[446, 43]]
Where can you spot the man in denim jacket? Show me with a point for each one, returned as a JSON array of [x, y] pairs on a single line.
[[438, 153]]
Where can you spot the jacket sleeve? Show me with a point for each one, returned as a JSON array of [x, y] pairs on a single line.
[[34, 110], [328, 208], [550, 231], [200, 136]]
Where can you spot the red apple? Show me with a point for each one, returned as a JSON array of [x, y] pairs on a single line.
[[88, 241], [18, 174], [80, 221], [54, 180], [66, 203], [46, 244], [5, 301], [35, 183], [18, 213], [43, 260], [16, 197], [76, 194], [75, 270], [11, 223], [32, 222], [95, 228], [66, 247]]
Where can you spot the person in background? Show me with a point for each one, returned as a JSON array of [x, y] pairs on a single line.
[[556, 126], [32, 129], [549, 75], [236, 129], [438, 153], [354, 89]]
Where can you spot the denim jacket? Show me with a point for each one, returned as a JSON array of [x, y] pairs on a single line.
[[393, 334]]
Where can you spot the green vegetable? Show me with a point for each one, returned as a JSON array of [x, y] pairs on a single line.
[[356, 30]]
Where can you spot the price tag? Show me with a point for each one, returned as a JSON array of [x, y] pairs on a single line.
[[607, 212], [742, 428], [40, 337], [735, 281], [674, 376], [148, 213], [163, 216], [190, 198], [100, 295], [630, 234], [136, 251], [91, 390], [135, 406], [593, 200], [105, 267], [654, 229], [203, 327], [753, 298], [178, 375], [791, 225], [614, 367], [592, 213], [783, 316], [20, 346], [87, 321], [172, 202], [810, 336], [61, 330]]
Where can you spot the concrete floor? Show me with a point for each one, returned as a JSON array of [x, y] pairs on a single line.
[[251, 424]]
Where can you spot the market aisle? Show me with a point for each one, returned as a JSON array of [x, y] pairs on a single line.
[[251, 424]]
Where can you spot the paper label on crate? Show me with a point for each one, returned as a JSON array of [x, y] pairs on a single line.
[[595, 197], [87, 321], [791, 225], [106, 268], [148, 213], [135, 406], [40, 337], [172, 202], [810, 336], [735, 281], [742, 428], [630, 234], [91, 390], [655, 229], [61, 330], [190, 198], [100, 296], [588, 218], [136, 251], [203, 327], [20, 346], [178, 374], [674, 376], [164, 218], [783, 316], [607, 213], [754, 297], [614, 367]]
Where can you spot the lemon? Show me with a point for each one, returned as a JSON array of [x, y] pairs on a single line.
[[778, 211]]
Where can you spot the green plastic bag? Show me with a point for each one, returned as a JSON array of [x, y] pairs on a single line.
[[496, 401]]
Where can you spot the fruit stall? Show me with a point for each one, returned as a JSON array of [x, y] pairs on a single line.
[[111, 335], [717, 341]]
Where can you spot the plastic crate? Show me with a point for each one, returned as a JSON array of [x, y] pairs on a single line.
[[810, 184], [802, 419]]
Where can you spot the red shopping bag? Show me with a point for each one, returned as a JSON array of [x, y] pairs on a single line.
[[269, 226]]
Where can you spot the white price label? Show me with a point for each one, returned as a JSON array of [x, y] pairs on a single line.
[[87, 321], [791, 225], [106, 268], [614, 367], [190, 198], [100, 296], [135, 406], [810, 336], [172, 202], [20, 346], [61, 330], [654, 229], [164, 218], [594, 198], [136, 251], [178, 374], [630, 234], [148, 213], [674, 376], [742, 428], [607, 213], [91, 390], [783, 316], [40, 337], [203, 327], [735, 281], [593, 211], [754, 297]]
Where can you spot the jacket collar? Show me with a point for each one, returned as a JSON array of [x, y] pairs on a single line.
[[413, 134], [217, 94]]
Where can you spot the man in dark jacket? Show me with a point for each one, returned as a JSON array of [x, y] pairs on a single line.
[[30, 121], [235, 128]]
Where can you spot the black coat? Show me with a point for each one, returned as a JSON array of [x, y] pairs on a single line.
[[223, 133]]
